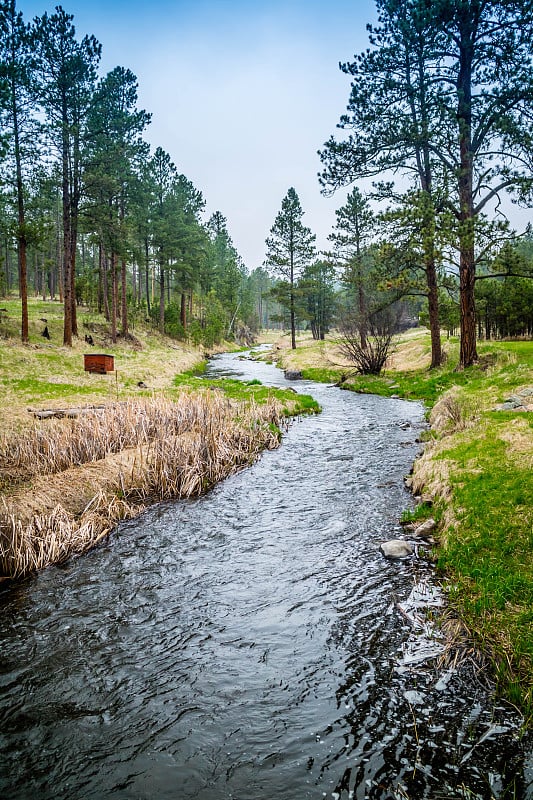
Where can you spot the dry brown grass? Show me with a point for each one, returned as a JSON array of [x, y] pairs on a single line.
[[155, 364], [309, 353], [412, 350], [56, 445], [89, 473], [519, 442], [454, 411], [52, 538]]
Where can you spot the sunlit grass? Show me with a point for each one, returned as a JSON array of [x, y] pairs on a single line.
[[489, 554]]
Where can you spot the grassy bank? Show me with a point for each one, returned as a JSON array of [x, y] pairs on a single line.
[[46, 373], [152, 430], [477, 467]]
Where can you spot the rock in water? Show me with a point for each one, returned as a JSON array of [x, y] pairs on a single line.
[[396, 548], [293, 374], [425, 529]]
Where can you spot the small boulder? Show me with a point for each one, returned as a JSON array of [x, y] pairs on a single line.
[[293, 374], [425, 529], [396, 548], [514, 400], [509, 405]]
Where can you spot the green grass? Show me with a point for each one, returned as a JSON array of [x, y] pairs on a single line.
[[196, 372], [419, 514], [34, 390], [489, 555], [321, 375], [507, 364], [294, 404]]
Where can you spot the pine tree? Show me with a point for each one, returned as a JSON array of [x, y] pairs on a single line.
[[395, 119], [487, 64], [446, 94], [227, 268], [16, 73], [67, 75], [317, 296], [116, 151], [353, 232], [290, 248]]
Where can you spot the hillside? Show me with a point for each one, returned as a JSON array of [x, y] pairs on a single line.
[[44, 373]]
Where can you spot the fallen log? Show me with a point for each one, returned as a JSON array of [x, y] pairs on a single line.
[[61, 413]]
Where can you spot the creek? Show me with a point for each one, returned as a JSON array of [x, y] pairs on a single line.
[[247, 645]]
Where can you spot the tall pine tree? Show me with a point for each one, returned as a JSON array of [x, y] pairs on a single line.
[[67, 75], [290, 249]]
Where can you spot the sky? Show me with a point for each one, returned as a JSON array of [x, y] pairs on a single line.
[[243, 93]]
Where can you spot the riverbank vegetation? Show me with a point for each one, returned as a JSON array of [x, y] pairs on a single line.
[[148, 431], [476, 469], [70, 482], [117, 243]]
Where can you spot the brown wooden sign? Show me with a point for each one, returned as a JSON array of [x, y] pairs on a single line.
[[99, 362]]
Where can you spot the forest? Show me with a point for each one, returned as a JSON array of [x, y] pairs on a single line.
[[91, 214]]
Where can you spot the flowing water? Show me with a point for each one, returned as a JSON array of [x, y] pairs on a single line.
[[248, 645]]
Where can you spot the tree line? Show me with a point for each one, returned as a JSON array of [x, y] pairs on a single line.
[[372, 282], [438, 118], [89, 213], [440, 114]]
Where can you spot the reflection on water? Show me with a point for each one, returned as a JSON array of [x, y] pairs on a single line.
[[245, 645]]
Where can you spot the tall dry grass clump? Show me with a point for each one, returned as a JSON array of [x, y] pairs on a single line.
[[168, 450], [454, 411], [56, 445]]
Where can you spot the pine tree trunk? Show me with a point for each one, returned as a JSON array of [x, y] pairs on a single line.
[[73, 239], [114, 298], [66, 197], [293, 315], [468, 351], [124, 298], [21, 234], [101, 283], [362, 306], [467, 263], [147, 274], [293, 324], [105, 276], [161, 298], [433, 308], [67, 281], [183, 311], [8, 281]]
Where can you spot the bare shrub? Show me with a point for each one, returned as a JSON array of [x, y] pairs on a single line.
[[369, 354]]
